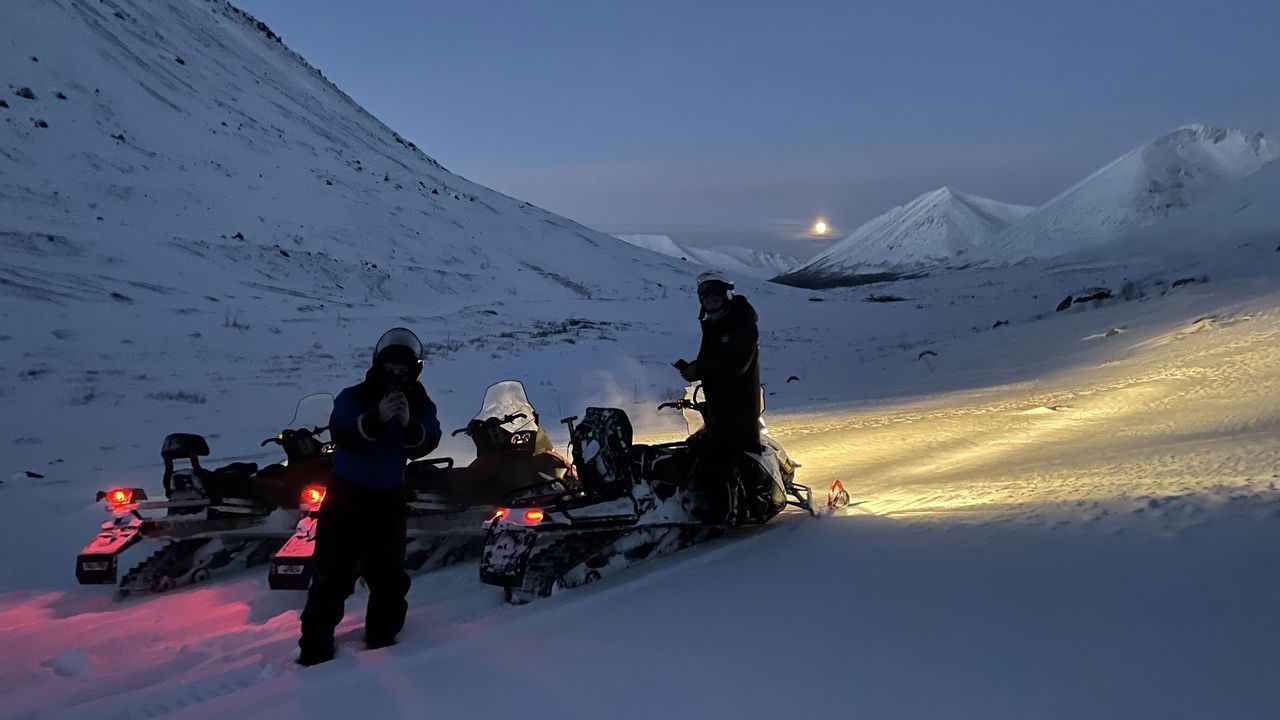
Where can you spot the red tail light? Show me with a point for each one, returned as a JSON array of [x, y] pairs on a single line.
[[313, 495], [533, 517], [499, 514], [120, 497]]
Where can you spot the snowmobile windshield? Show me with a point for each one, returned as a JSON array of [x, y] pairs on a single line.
[[313, 411], [403, 337], [508, 398]]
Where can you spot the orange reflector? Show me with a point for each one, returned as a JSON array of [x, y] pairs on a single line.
[[533, 517], [313, 495], [119, 497]]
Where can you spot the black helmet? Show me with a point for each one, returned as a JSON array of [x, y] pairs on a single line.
[[399, 344]]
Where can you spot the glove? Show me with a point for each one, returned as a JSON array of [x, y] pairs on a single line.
[[690, 372], [391, 406], [402, 412]]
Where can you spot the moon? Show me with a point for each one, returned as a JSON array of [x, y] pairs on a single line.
[[820, 228]]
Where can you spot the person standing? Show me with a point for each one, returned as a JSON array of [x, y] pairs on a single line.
[[728, 366], [376, 426]]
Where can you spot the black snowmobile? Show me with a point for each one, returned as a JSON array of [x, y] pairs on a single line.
[[631, 502], [448, 505], [215, 520]]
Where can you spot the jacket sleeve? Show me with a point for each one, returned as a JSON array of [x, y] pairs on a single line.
[[727, 352], [351, 429], [422, 434]]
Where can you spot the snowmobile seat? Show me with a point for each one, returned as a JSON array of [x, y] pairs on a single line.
[[429, 475], [244, 468], [234, 481], [665, 467]]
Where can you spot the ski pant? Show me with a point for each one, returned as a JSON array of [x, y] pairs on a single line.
[[727, 479], [358, 527]]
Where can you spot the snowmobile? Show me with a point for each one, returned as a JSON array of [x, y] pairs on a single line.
[[215, 520], [631, 502], [448, 505]]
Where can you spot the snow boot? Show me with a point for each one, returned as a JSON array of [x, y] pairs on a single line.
[[314, 653], [374, 642]]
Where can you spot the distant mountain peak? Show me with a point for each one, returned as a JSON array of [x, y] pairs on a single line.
[[1166, 176], [942, 227], [737, 261]]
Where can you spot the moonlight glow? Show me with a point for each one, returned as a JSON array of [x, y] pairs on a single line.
[[820, 228]]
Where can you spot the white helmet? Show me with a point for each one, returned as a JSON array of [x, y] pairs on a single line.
[[716, 279]]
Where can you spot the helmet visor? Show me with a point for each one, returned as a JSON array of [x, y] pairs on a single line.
[[399, 337]]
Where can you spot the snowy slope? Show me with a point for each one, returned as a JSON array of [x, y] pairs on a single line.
[[157, 135], [1159, 180], [942, 228], [736, 261], [194, 220], [1242, 211]]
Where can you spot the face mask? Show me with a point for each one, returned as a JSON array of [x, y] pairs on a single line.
[[395, 376], [712, 303]]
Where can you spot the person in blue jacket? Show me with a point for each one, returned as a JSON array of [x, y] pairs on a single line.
[[376, 427]]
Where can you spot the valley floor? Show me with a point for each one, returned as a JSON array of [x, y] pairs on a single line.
[[1100, 543]]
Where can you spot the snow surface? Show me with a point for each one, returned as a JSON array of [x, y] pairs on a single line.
[[1059, 514], [940, 229], [736, 261]]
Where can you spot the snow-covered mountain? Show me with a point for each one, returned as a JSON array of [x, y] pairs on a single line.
[[180, 150], [1141, 189], [1242, 211], [941, 228], [737, 261], [1159, 180], [197, 228], [769, 263]]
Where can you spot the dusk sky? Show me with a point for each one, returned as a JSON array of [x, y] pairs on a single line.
[[741, 122]]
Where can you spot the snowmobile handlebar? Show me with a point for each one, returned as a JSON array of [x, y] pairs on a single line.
[[487, 423], [681, 404], [290, 433]]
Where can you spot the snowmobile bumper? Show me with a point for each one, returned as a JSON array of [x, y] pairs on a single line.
[[506, 557], [291, 565], [96, 563]]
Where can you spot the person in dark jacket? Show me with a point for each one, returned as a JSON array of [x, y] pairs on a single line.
[[728, 365], [376, 427]]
